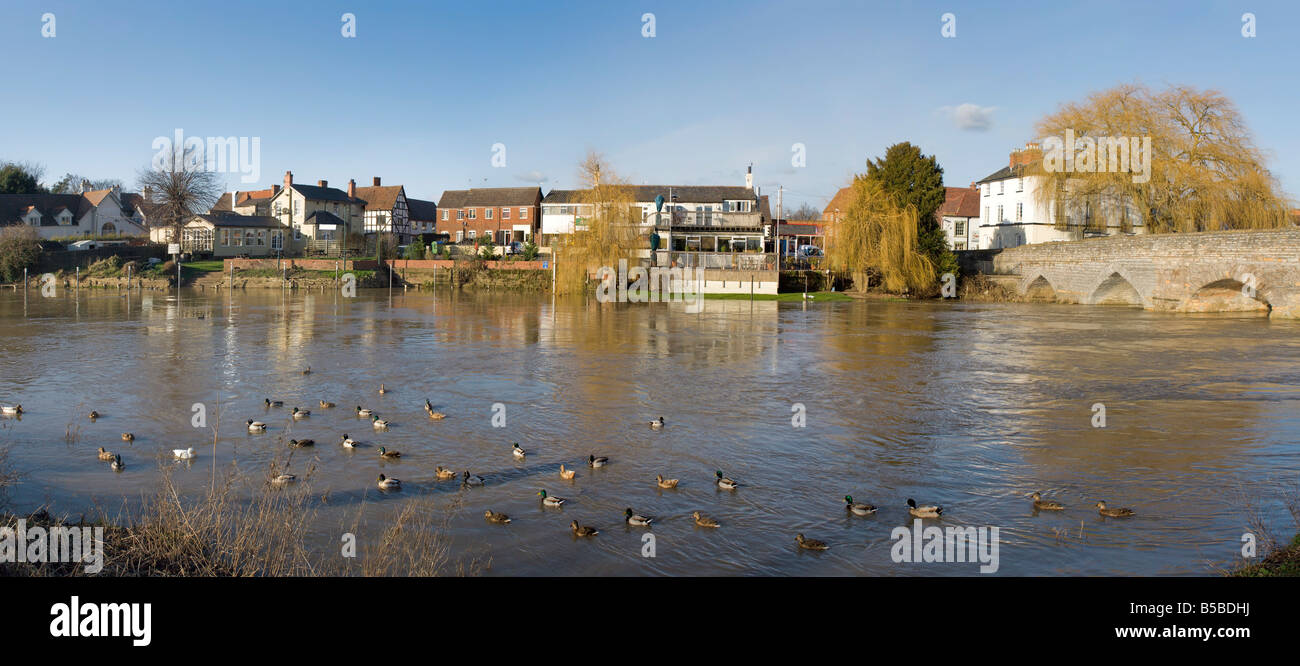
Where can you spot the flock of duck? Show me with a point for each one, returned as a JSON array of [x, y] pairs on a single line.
[[468, 480]]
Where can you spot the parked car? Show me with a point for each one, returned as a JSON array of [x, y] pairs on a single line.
[[514, 247]]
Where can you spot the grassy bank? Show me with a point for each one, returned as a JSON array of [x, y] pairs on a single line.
[[1284, 561]]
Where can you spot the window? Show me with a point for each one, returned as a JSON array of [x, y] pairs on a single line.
[[487, 213], [1000, 213], [237, 239], [986, 214], [460, 214], [277, 240], [225, 237], [261, 238], [523, 213], [460, 236], [444, 215], [959, 228], [250, 238], [1020, 184], [1002, 186], [985, 187], [1020, 211], [471, 234], [473, 213], [505, 213], [279, 208]]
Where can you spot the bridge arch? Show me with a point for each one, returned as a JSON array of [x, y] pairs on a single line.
[[1116, 289], [1040, 289], [1226, 295]]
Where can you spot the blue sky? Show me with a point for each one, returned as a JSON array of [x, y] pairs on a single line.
[[424, 90]]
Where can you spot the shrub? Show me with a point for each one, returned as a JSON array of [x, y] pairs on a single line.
[[19, 247]]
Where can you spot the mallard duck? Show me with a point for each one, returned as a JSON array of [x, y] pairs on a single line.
[[382, 390], [550, 500], [597, 461], [858, 508], [471, 479], [1046, 505], [724, 482], [496, 517], [385, 453], [326, 405], [437, 416], [665, 483], [92, 415], [583, 530], [567, 474], [11, 410], [636, 518], [923, 511], [658, 423], [117, 464], [428, 406], [281, 479], [704, 521], [128, 437], [105, 455], [255, 426], [300, 413], [388, 483], [300, 443], [348, 442], [444, 474], [184, 454], [273, 403], [810, 544], [518, 452], [364, 411], [1114, 513], [378, 423], [307, 370]]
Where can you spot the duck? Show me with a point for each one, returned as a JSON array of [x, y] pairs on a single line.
[[597, 461], [364, 411], [300, 413], [704, 521], [255, 426], [185, 454], [636, 519], [105, 455], [1114, 513], [428, 406], [437, 416], [724, 482], [858, 508], [923, 511], [11, 410], [496, 517], [300, 443], [518, 452], [385, 453], [657, 424], [550, 500], [326, 404], [1046, 505], [388, 483], [665, 483], [273, 403], [348, 442], [382, 390], [471, 479], [444, 474], [92, 415], [378, 423], [567, 474], [117, 464], [583, 530], [281, 479], [810, 544], [128, 437], [307, 370]]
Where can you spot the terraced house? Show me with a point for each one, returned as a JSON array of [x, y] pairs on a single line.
[[501, 214]]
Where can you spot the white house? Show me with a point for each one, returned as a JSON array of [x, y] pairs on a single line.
[[959, 217], [1011, 213], [91, 213], [294, 204]]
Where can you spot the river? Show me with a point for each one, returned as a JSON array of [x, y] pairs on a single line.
[[971, 406]]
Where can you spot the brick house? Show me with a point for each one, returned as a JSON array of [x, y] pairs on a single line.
[[504, 214]]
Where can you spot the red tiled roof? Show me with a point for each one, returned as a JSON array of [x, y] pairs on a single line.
[[960, 202]]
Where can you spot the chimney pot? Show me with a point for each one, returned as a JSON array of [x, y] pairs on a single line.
[[352, 187], [376, 181]]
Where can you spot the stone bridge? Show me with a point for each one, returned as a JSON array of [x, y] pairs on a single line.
[[1222, 271]]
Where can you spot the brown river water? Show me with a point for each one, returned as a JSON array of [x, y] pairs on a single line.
[[971, 406]]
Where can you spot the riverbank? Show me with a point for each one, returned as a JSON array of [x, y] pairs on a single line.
[[1284, 562]]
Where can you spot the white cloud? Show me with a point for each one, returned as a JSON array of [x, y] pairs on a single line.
[[971, 117], [532, 177]]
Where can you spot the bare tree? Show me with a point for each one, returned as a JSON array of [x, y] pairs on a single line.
[[180, 187]]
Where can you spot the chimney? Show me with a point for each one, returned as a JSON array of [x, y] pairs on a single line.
[[376, 181], [234, 198], [323, 183], [275, 189], [352, 187], [749, 177], [85, 186], [1028, 155], [288, 179]]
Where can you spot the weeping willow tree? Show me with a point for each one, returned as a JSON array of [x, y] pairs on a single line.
[[878, 236], [607, 227], [1191, 164]]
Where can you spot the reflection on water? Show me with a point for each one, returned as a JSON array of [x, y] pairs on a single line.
[[968, 406]]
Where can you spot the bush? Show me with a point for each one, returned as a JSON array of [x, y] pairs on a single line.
[[530, 251], [19, 247]]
